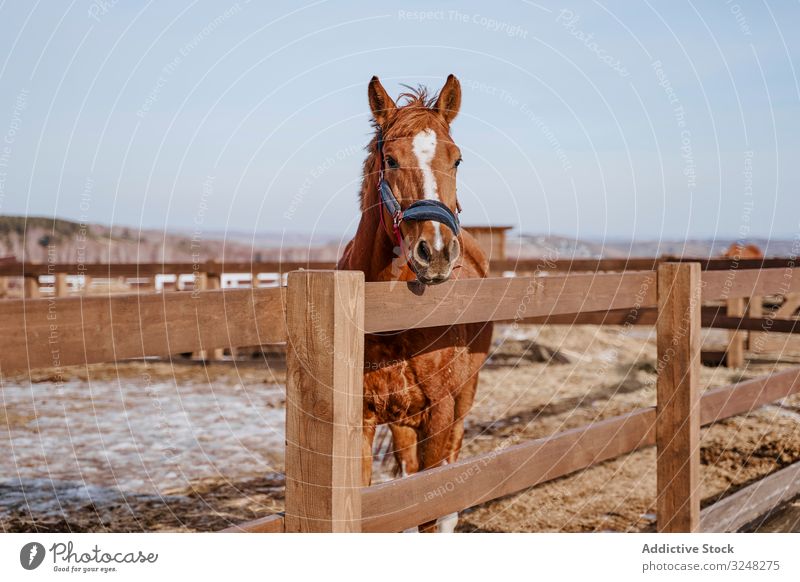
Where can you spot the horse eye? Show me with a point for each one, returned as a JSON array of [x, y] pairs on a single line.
[[392, 163], [458, 162]]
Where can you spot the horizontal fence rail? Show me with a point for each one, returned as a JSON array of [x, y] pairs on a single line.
[[394, 306], [184, 322], [43, 333], [394, 505], [403, 503], [94, 329], [711, 318], [720, 285], [20, 269], [752, 502], [150, 269]]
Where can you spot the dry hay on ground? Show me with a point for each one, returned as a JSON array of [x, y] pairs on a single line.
[[227, 422]]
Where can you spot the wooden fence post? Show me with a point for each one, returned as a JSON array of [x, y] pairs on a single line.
[[31, 287], [199, 283], [214, 281], [734, 354], [755, 309], [678, 398], [60, 287], [324, 400]]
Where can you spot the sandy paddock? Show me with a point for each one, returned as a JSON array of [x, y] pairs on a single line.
[[177, 446]]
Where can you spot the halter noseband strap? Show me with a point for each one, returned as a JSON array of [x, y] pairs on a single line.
[[420, 210]]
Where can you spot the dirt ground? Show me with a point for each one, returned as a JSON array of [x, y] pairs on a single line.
[[178, 446]]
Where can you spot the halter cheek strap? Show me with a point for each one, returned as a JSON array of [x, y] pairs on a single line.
[[420, 210]]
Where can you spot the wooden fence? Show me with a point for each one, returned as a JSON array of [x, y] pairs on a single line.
[[209, 275], [324, 392], [324, 381], [215, 268], [323, 316]]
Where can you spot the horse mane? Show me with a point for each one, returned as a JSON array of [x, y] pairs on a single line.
[[417, 96]]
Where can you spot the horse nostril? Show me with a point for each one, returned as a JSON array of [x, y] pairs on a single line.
[[423, 251]]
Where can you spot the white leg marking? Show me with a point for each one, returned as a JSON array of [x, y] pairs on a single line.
[[448, 523]]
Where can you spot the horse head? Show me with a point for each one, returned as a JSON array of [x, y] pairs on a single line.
[[417, 162]]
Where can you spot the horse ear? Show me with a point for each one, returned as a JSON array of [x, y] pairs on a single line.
[[379, 101], [449, 101]]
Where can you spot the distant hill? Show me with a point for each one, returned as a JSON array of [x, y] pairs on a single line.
[[36, 238], [39, 239], [534, 246]]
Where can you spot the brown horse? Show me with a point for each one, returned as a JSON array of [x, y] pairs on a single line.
[[742, 251], [421, 382]]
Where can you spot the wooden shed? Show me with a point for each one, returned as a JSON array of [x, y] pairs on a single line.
[[492, 240]]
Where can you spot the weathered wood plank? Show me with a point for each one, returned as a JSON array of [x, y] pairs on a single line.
[[45, 333], [733, 399], [711, 317], [751, 502], [761, 343], [213, 283], [403, 503], [678, 398], [730, 264], [755, 310], [324, 400], [724, 285], [392, 306], [60, 287], [270, 524], [734, 357], [642, 316], [574, 265], [110, 270], [30, 288]]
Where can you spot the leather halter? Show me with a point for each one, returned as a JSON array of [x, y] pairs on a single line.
[[420, 210]]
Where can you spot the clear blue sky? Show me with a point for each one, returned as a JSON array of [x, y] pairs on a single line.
[[616, 119]]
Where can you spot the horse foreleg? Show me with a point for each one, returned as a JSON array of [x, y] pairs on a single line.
[[368, 435], [463, 404], [434, 436], [404, 443]]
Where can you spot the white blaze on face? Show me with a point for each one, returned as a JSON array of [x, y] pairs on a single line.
[[424, 146]]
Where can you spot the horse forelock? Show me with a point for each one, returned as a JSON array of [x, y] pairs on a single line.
[[414, 114]]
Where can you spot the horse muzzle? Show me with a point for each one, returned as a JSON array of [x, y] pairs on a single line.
[[433, 263], [431, 258]]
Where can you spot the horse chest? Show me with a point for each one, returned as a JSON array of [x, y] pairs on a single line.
[[404, 373]]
